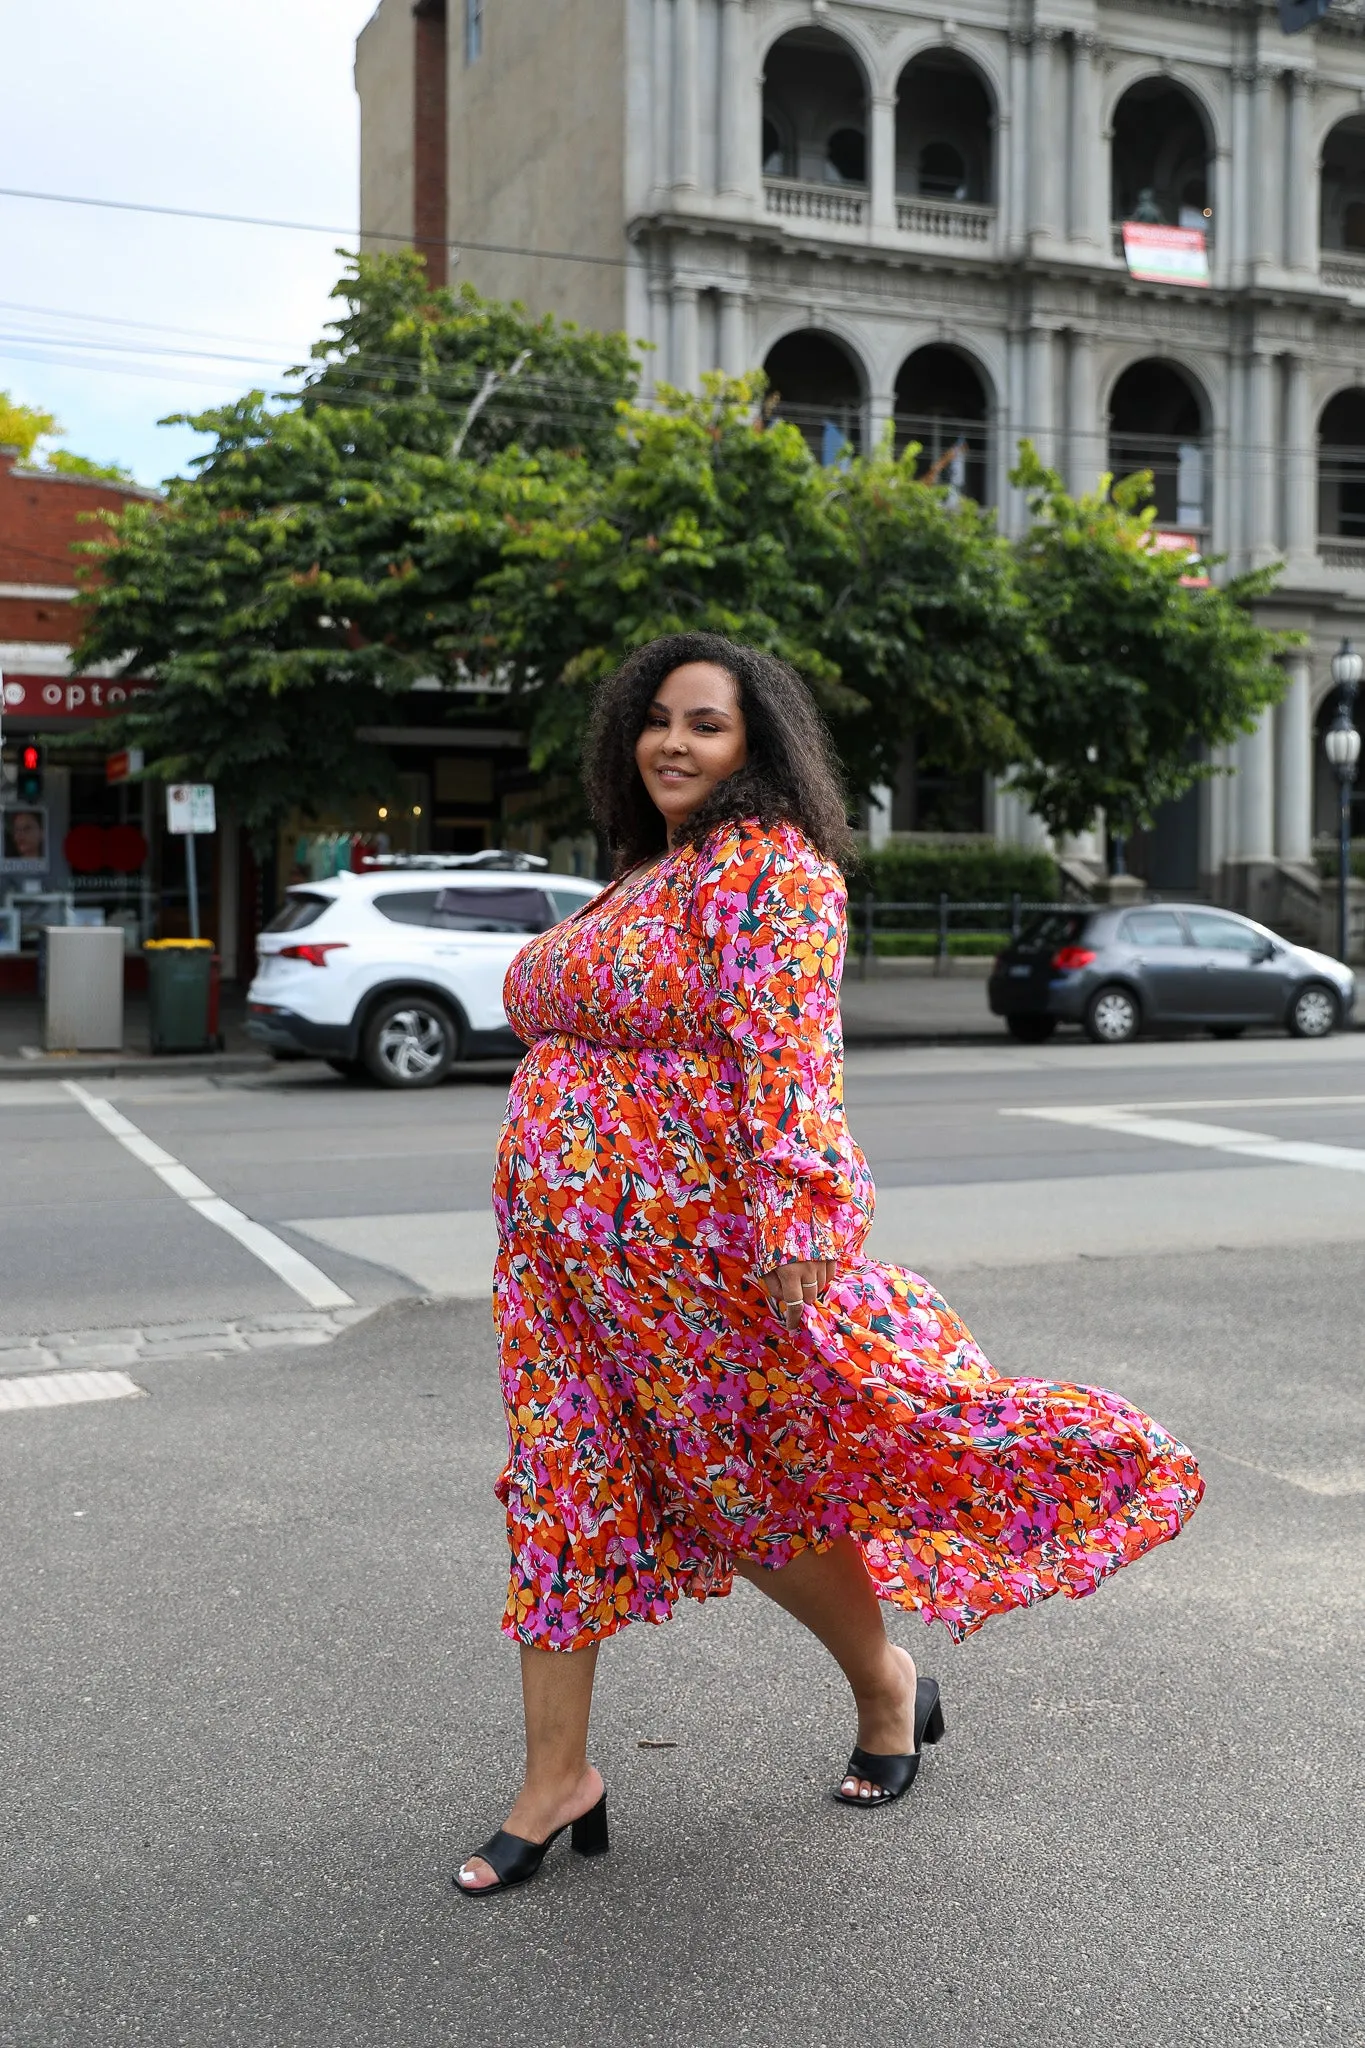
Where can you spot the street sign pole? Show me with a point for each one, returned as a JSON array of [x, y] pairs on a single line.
[[192, 880]]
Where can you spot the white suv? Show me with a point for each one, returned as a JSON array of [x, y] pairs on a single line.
[[398, 972]]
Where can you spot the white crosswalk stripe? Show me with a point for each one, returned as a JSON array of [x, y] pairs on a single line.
[[58, 1389]]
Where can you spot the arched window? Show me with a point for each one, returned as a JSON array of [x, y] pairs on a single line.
[[1343, 186], [814, 382], [1341, 466], [944, 129], [1161, 157], [941, 403], [1157, 422], [814, 110]]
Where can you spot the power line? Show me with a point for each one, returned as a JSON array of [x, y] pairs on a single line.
[[312, 227]]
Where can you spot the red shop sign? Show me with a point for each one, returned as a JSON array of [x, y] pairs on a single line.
[[67, 696]]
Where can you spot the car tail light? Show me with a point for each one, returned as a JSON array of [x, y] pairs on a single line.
[[315, 955], [1068, 958]]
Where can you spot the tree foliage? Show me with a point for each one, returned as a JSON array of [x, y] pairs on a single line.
[[459, 497], [1131, 673], [24, 426], [275, 598]]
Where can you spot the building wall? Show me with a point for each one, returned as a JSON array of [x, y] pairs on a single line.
[[537, 142], [385, 70]]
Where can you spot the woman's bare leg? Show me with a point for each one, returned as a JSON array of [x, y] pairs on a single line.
[[830, 1592], [560, 1783]]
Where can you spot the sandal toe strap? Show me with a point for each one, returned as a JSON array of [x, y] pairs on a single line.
[[892, 1775]]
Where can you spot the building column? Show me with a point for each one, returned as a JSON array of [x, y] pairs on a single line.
[[685, 122], [686, 352], [1256, 791], [1088, 172], [881, 412], [1300, 461], [1302, 175], [1044, 124], [882, 163], [1294, 761], [1011, 175], [1232, 222], [657, 366], [734, 338], [739, 114], [1260, 454], [1087, 454], [879, 816], [1038, 401], [1267, 212]]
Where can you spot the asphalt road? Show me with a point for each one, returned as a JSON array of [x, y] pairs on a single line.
[[257, 1707]]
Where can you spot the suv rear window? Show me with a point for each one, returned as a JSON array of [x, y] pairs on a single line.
[[297, 910], [469, 910], [494, 910], [1055, 928]]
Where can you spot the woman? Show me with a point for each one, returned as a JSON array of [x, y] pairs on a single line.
[[703, 1375]]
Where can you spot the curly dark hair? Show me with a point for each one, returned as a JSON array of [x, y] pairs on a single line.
[[790, 775]]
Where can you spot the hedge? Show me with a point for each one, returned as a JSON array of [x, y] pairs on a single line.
[[964, 874]]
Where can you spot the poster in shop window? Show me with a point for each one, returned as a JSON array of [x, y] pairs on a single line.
[[23, 839]]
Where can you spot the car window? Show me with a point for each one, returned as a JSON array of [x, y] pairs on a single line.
[[494, 910], [1054, 928], [567, 901], [297, 910], [409, 906], [1151, 928], [1207, 929]]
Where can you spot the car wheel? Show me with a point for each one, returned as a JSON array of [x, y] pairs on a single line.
[[349, 1070], [1226, 1030], [1030, 1027], [1112, 1016], [1315, 1011], [410, 1042]]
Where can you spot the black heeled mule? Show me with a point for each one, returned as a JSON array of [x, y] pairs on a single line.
[[515, 1861], [894, 1775]]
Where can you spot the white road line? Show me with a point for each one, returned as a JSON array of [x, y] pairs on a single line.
[[301, 1274], [1206, 1137], [1224, 1102], [56, 1389]]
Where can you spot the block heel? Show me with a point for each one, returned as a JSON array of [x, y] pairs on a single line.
[[892, 1776], [514, 1861]]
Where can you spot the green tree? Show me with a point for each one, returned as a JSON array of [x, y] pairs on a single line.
[[24, 426], [898, 607], [1130, 674], [275, 599]]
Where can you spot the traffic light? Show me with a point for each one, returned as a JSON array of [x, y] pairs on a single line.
[[29, 784]]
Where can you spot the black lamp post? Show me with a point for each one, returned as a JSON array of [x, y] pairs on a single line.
[[1342, 745]]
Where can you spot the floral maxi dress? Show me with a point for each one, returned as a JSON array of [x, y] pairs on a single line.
[[676, 1128]]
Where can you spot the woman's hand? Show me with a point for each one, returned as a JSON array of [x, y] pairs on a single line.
[[791, 1288]]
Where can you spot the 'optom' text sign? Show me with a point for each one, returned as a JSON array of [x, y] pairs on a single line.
[[1161, 255], [190, 808]]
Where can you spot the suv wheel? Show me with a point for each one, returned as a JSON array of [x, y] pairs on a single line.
[[1112, 1016], [1315, 1012], [1030, 1027], [410, 1042]]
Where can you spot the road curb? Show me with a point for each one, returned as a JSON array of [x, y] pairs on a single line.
[[81, 1066]]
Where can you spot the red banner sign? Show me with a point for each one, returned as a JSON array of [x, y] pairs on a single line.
[[67, 696]]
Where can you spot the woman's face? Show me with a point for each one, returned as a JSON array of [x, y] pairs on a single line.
[[693, 737]]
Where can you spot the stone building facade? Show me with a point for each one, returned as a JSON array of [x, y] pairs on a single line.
[[909, 211]]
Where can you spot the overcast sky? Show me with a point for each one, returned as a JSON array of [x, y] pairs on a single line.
[[237, 106]]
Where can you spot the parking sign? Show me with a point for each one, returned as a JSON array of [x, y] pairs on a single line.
[[190, 808]]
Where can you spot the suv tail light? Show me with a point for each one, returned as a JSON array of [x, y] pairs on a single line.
[[1066, 960], [316, 954]]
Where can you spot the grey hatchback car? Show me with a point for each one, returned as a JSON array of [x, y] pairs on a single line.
[[1117, 972]]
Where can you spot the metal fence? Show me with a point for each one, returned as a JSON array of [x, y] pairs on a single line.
[[943, 921]]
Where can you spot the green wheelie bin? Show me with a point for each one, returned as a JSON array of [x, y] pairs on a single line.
[[178, 976]]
